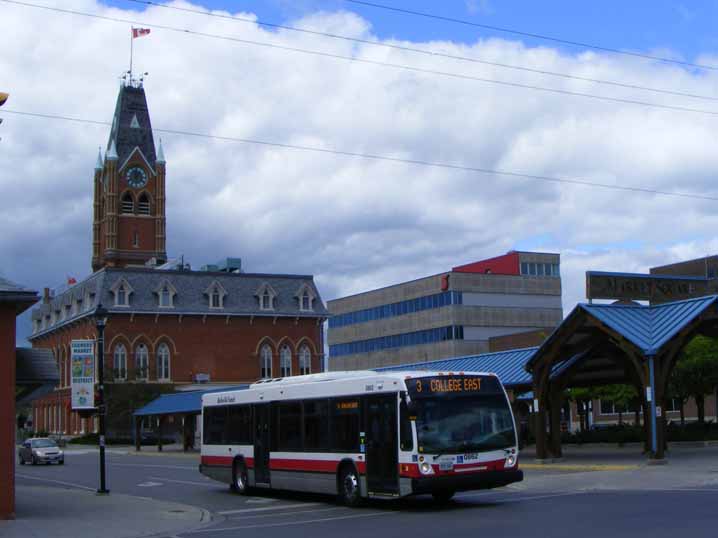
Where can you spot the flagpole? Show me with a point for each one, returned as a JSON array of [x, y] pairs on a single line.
[[131, 42]]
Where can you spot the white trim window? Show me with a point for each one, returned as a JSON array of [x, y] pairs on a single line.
[[122, 291], [120, 362], [142, 363], [267, 301], [163, 362], [265, 362], [305, 297], [215, 293], [166, 294], [266, 295], [305, 302], [285, 361], [305, 360]]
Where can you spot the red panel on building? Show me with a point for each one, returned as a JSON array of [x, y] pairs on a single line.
[[508, 264]]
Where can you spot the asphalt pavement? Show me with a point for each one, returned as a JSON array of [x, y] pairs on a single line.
[[589, 501]]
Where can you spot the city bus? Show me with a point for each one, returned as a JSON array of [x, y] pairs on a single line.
[[363, 434]]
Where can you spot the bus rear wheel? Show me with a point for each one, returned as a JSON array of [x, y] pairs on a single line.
[[240, 483], [348, 486], [442, 496]]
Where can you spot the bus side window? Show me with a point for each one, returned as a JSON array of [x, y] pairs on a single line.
[[345, 424], [215, 419], [289, 436], [406, 439], [239, 425], [316, 425]]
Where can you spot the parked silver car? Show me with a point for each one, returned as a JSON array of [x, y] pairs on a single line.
[[40, 450]]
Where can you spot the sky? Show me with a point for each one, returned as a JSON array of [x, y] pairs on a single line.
[[357, 224]]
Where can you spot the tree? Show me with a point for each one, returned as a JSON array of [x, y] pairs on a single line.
[[679, 386], [622, 396], [698, 370], [582, 397]]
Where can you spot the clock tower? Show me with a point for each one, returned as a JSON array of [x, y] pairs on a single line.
[[129, 203]]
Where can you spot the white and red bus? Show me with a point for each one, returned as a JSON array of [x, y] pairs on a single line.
[[363, 434]]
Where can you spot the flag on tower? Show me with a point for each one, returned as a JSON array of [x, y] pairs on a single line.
[[139, 32]]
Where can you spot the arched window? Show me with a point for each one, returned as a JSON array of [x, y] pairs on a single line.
[[305, 301], [165, 296], [120, 362], [143, 204], [265, 360], [142, 362], [285, 361], [305, 360], [163, 362], [267, 301], [127, 204]]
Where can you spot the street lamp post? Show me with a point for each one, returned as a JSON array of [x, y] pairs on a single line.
[[101, 322]]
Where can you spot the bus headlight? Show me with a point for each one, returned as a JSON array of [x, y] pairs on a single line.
[[510, 461], [425, 467]]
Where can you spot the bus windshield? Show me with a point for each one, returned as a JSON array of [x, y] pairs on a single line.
[[468, 424]]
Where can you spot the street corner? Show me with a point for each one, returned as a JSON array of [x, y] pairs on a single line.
[[73, 513]]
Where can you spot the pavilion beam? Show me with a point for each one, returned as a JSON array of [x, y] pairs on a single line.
[[138, 434], [556, 401]]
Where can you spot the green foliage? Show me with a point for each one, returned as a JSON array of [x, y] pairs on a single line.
[[123, 399], [696, 372]]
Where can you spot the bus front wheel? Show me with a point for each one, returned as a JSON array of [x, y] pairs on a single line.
[[239, 478], [349, 492]]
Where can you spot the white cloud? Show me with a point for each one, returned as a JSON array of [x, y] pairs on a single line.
[[354, 223]]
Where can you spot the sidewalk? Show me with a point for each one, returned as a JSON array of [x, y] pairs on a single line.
[[71, 513]]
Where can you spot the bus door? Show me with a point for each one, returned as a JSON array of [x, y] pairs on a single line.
[[262, 438], [382, 458]]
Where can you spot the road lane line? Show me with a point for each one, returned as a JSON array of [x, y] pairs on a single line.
[[290, 523], [266, 508], [185, 467], [539, 497], [26, 477], [206, 484], [296, 512]]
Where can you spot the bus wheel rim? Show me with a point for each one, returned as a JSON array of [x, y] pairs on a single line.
[[350, 485]]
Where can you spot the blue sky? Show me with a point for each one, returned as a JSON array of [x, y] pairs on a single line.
[[687, 28], [358, 224]]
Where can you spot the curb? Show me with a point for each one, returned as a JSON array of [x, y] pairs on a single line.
[[577, 467]]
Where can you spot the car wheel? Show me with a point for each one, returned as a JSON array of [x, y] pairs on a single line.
[[348, 486], [22, 461], [442, 496], [34, 460], [61, 462], [240, 483]]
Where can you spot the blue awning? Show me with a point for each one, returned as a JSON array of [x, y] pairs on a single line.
[[177, 403]]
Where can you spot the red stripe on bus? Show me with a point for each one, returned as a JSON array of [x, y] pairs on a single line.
[[225, 461], [315, 466]]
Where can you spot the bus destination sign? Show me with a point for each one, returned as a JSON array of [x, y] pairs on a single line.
[[452, 385]]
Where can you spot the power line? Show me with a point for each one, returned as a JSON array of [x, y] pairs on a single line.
[[531, 34], [374, 62], [423, 51], [387, 158]]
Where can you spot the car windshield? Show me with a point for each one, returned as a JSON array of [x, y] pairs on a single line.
[[464, 424], [43, 443]]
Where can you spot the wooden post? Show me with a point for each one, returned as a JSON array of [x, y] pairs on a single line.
[[138, 434], [555, 402], [160, 432]]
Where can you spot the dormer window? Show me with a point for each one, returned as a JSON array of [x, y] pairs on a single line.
[[143, 204], [127, 204], [122, 291], [305, 296], [165, 294], [266, 295], [215, 293], [68, 311]]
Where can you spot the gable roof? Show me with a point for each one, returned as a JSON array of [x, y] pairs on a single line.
[[650, 327]]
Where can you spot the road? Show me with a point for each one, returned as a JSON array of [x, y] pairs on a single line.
[[546, 504]]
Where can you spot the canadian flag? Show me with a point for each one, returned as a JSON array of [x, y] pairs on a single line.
[[139, 32]]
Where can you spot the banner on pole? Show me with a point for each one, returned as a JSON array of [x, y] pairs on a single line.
[[82, 360]]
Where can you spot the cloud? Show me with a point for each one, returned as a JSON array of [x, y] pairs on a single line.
[[354, 223]]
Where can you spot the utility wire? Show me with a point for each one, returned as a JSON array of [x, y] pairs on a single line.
[[426, 52], [530, 34], [374, 62], [387, 158]]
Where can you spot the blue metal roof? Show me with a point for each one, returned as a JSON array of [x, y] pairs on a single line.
[[508, 365], [650, 327], [179, 402]]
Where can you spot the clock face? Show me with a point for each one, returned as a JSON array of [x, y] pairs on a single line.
[[136, 177]]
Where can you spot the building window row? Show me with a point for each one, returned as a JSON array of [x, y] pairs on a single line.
[[539, 269], [417, 338], [64, 313], [401, 308], [141, 362], [285, 361]]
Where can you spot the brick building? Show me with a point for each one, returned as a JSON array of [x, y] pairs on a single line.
[[168, 327], [448, 315]]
